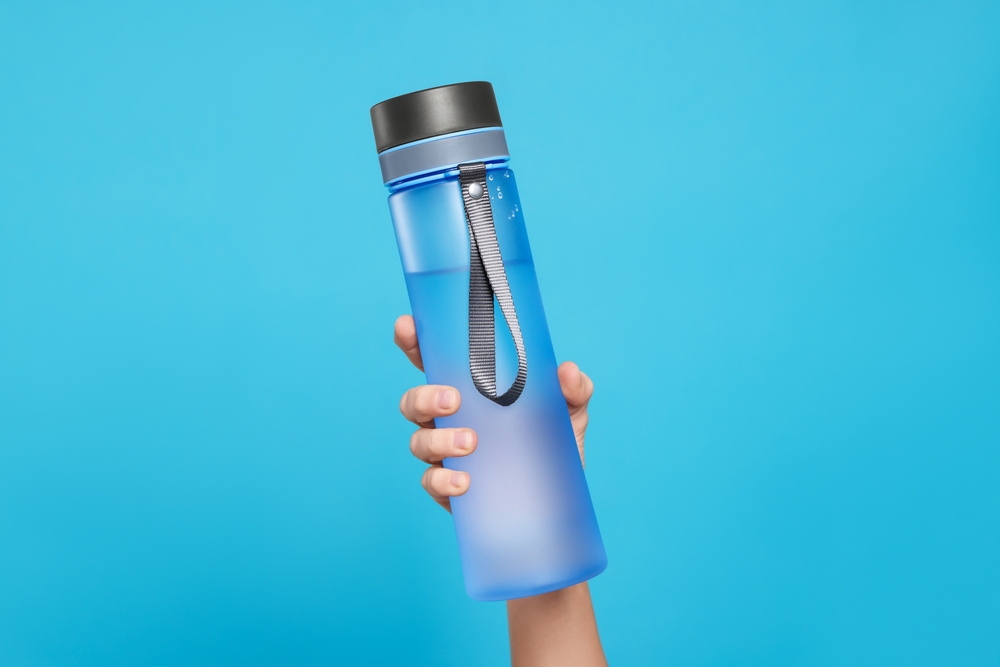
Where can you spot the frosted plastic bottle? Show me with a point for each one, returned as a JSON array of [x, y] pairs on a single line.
[[526, 525]]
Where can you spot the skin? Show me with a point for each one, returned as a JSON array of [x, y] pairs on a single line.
[[553, 629]]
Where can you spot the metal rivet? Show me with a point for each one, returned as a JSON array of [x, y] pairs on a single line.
[[475, 190]]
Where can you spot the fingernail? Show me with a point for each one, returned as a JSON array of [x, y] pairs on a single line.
[[446, 398], [457, 479], [463, 440]]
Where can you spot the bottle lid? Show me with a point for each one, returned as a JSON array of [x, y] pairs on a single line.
[[433, 112]]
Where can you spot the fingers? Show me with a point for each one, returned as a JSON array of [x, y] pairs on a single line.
[[432, 445], [442, 484], [577, 388], [422, 404], [405, 337]]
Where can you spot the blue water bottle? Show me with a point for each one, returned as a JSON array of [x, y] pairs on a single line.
[[526, 525]]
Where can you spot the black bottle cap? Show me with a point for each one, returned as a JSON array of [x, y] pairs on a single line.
[[433, 112]]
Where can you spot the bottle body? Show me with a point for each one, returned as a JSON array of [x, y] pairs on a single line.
[[527, 524]]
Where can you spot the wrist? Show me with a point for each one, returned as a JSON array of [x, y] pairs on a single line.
[[555, 629]]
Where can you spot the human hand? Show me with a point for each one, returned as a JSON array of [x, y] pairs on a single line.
[[432, 445]]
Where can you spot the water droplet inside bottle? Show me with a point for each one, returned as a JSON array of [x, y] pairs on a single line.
[[491, 177], [499, 194], [506, 174]]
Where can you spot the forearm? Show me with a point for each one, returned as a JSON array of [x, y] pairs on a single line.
[[555, 629]]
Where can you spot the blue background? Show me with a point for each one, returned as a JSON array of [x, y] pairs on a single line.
[[780, 264]]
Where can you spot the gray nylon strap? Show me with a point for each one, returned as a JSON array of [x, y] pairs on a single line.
[[487, 278]]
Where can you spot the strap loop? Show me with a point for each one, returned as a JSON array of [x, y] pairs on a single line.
[[487, 278]]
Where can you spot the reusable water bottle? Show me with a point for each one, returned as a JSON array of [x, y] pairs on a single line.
[[526, 525]]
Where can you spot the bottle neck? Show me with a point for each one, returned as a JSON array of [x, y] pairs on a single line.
[[437, 157]]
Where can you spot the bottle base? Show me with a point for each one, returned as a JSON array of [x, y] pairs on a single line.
[[515, 592]]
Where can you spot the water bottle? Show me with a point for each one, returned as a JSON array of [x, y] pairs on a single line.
[[526, 525]]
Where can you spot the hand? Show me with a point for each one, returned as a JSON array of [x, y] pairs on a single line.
[[556, 629], [432, 445]]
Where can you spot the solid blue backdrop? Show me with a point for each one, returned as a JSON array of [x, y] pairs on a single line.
[[780, 264]]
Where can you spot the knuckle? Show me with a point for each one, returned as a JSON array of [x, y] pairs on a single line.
[[440, 442], [435, 481], [422, 400], [407, 404], [427, 479]]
